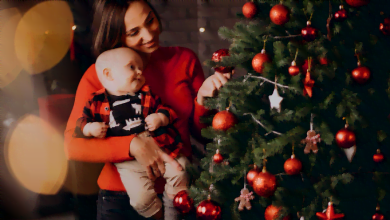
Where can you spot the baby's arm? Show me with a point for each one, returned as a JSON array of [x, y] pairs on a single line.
[[161, 114], [156, 120]]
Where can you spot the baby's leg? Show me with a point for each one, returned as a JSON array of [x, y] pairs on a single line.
[[140, 189], [176, 182]]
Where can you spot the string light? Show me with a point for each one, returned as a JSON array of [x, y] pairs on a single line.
[[202, 29], [74, 27]]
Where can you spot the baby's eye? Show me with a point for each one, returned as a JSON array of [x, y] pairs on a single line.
[[132, 67]]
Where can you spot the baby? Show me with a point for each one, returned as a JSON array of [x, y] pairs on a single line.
[[124, 107]]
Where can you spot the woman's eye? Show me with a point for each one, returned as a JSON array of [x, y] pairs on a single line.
[[151, 20], [133, 34]]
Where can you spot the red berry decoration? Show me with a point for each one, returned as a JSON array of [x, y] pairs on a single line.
[[340, 15], [264, 184], [361, 74], [224, 120], [293, 70], [345, 138], [385, 26], [251, 175], [378, 157], [249, 9], [292, 166], [378, 216], [182, 202], [279, 14], [272, 213], [217, 158], [208, 210], [217, 57], [259, 60], [309, 33], [357, 3]]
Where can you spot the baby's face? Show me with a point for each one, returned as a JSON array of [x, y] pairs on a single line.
[[127, 73]]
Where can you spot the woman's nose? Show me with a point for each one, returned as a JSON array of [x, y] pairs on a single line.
[[146, 35]]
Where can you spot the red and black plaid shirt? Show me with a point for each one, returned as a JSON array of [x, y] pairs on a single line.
[[98, 109]]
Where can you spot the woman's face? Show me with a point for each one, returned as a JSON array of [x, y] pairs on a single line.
[[142, 28]]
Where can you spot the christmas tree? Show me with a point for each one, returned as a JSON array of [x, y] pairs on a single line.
[[307, 128]]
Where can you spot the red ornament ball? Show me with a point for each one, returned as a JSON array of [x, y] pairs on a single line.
[[259, 60], [279, 14], [217, 158], [378, 157], [251, 175], [208, 210], [309, 33], [357, 3], [340, 15], [361, 74], [182, 202], [224, 120], [385, 26], [378, 216], [217, 57], [272, 213], [324, 61], [345, 138], [293, 70], [292, 166], [264, 184], [249, 9]]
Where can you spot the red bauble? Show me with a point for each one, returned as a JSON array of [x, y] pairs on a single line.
[[251, 175], [293, 70], [329, 214], [279, 14], [309, 33], [224, 120], [249, 9], [217, 158], [361, 74], [182, 202], [217, 56], [378, 157], [357, 3], [259, 60], [340, 15], [345, 138], [292, 166], [272, 213], [385, 26], [378, 216], [208, 210], [264, 184], [324, 61]]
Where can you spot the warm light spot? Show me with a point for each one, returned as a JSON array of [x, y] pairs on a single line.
[[43, 36], [35, 155], [9, 63], [74, 27], [202, 29]]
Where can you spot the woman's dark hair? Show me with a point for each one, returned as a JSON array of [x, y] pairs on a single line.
[[108, 24]]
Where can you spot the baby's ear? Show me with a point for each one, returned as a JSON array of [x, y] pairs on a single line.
[[107, 74]]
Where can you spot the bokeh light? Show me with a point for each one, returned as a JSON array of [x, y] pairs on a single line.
[[9, 63], [35, 156], [44, 35]]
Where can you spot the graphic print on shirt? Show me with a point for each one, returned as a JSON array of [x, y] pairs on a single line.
[[126, 116]]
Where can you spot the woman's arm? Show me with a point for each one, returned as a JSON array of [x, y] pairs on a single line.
[[111, 149]]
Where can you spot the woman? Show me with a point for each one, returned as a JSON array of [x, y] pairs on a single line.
[[173, 73]]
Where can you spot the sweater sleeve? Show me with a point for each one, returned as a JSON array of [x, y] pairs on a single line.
[[111, 149], [199, 111]]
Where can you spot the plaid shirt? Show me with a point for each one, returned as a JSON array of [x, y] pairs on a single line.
[[98, 109]]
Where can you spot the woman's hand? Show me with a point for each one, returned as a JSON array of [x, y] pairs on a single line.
[[212, 84], [148, 154]]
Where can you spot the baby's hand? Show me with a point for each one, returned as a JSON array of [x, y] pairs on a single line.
[[156, 120], [95, 129]]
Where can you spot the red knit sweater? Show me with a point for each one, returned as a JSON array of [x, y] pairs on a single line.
[[175, 75]]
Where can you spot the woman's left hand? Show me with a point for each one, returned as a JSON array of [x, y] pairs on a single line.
[[212, 84]]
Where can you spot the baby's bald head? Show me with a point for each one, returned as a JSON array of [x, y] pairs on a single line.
[[115, 66]]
